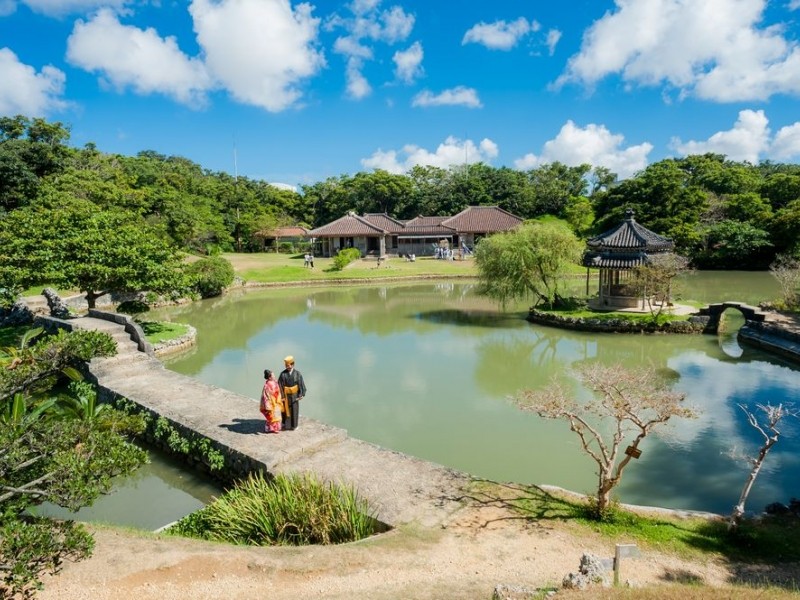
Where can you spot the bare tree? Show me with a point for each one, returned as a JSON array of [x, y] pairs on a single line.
[[654, 280], [765, 420], [625, 404], [787, 271]]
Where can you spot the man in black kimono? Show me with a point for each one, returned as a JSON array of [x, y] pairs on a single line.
[[293, 388]]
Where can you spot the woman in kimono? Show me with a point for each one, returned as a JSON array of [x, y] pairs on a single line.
[[271, 402]]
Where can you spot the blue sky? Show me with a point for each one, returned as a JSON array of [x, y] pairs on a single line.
[[298, 92]]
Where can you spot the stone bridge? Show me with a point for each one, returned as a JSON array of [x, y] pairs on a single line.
[[752, 314], [402, 489]]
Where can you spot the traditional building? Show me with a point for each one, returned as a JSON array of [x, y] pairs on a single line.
[[273, 238], [380, 234], [616, 254]]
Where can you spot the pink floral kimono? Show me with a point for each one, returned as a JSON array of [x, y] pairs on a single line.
[[270, 406]]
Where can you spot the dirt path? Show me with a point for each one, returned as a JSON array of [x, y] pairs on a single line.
[[478, 548]]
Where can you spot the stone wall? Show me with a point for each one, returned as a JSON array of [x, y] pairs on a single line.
[[613, 325]]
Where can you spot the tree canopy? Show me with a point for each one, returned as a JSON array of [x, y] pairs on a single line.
[[528, 262]]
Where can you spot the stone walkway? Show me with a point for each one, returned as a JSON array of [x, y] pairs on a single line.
[[402, 489]]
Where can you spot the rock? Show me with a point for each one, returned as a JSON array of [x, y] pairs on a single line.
[[517, 592], [18, 314], [58, 307], [592, 570]]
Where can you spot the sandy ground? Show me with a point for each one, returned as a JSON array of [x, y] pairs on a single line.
[[476, 549]]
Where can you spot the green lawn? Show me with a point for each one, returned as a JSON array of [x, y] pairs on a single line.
[[284, 268]]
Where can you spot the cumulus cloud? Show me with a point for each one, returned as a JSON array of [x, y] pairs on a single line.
[[748, 138], [357, 85], [368, 24], [7, 7], [259, 50], [714, 50], [593, 144], [500, 35], [793, 4], [408, 63], [126, 56], [786, 144], [553, 37], [59, 8], [24, 91], [452, 152], [457, 96]]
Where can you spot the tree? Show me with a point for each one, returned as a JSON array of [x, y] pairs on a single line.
[[654, 279], [766, 421], [96, 251], [527, 262], [733, 244], [786, 269], [625, 403], [44, 457]]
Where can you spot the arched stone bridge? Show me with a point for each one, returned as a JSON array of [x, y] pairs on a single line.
[[752, 314]]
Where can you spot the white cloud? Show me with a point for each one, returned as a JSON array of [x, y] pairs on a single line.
[[594, 145], [260, 50], [553, 37], [128, 56], [457, 96], [350, 47], [24, 91], [58, 8], [368, 23], [500, 35], [452, 152], [747, 140], [793, 4], [7, 7], [357, 85], [408, 63], [714, 49], [786, 144]]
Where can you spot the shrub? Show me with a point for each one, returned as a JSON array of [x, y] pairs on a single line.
[[286, 247], [210, 276], [133, 307], [345, 257], [294, 509]]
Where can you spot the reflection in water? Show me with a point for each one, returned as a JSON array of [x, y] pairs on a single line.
[[157, 494], [428, 369]]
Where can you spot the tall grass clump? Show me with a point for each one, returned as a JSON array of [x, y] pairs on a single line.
[[287, 510], [344, 258]]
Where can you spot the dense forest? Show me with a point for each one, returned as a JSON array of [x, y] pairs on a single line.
[[721, 213]]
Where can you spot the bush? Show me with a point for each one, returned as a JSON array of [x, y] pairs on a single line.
[[210, 276], [133, 307], [345, 257], [293, 509], [286, 248]]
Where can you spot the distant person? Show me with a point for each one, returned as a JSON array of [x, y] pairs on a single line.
[[292, 388], [271, 403], [307, 260], [311, 259]]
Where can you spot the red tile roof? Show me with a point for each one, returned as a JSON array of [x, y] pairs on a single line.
[[482, 219], [348, 225], [280, 232], [474, 219], [384, 221]]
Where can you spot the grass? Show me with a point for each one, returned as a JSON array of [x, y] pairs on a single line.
[[287, 510], [769, 541], [162, 331], [36, 290], [286, 268], [585, 313]]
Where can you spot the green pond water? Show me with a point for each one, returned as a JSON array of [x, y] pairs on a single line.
[[428, 369]]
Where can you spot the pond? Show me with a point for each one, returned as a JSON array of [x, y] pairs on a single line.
[[428, 369]]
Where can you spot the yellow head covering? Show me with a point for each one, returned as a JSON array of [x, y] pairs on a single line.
[[289, 360]]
